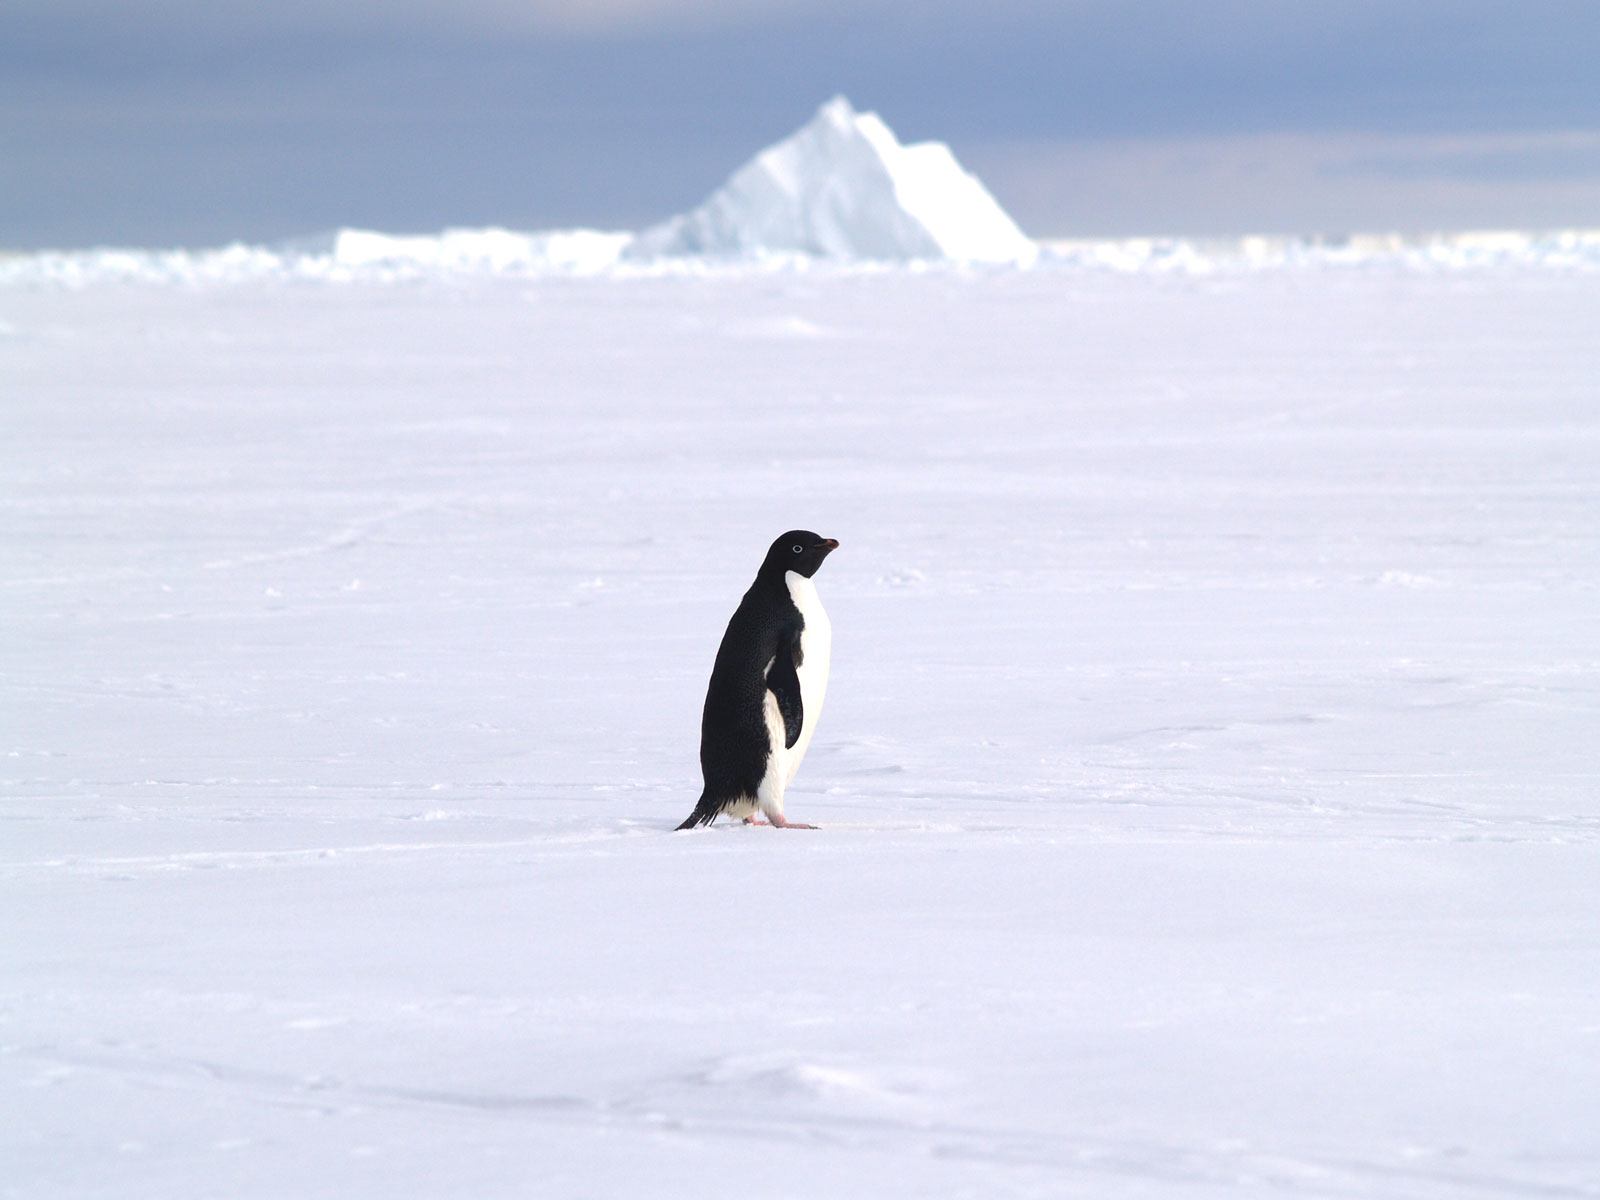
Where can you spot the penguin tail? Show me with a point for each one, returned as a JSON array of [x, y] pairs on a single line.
[[705, 812]]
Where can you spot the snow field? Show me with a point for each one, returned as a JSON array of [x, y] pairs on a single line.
[[1207, 779]]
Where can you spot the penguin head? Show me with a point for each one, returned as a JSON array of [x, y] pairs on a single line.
[[800, 551]]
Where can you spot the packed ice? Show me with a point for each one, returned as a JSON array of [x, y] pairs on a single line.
[[355, 255]]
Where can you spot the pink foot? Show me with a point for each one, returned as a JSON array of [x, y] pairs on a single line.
[[779, 822]]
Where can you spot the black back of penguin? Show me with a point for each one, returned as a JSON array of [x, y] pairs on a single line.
[[734, 743]]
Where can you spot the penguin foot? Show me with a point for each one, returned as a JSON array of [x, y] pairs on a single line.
[[779, 823]]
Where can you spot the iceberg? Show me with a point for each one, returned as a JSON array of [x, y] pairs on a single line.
[[843, 187]]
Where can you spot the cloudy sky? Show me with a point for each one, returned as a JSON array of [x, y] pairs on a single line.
[[194, 122]]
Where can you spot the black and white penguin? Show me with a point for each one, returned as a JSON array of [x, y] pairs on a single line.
[[766, 687]]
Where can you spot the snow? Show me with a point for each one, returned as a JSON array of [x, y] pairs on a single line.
[[843, 187], [1207, 784]]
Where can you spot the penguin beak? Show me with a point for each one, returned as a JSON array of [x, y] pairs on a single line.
[[827, 544]]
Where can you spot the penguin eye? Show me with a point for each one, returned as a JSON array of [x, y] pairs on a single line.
[[797, 549]]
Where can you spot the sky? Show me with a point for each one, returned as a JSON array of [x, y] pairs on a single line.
[[194, 123]]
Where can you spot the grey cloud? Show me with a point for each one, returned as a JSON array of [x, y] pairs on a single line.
[[1301, 183], [177, 120], [1573, 157]]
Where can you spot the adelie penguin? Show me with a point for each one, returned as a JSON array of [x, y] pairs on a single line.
[[766, 687]]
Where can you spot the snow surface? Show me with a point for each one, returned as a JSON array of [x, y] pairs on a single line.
[[1208, 783]]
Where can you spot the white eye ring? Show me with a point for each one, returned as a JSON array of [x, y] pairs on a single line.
[[797, 549]]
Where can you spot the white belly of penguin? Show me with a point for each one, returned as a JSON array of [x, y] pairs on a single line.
[[816, 648]]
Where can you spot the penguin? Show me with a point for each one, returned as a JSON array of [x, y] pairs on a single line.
[[766, 687]]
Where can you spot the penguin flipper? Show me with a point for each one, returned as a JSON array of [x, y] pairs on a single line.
[[783, 681]]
